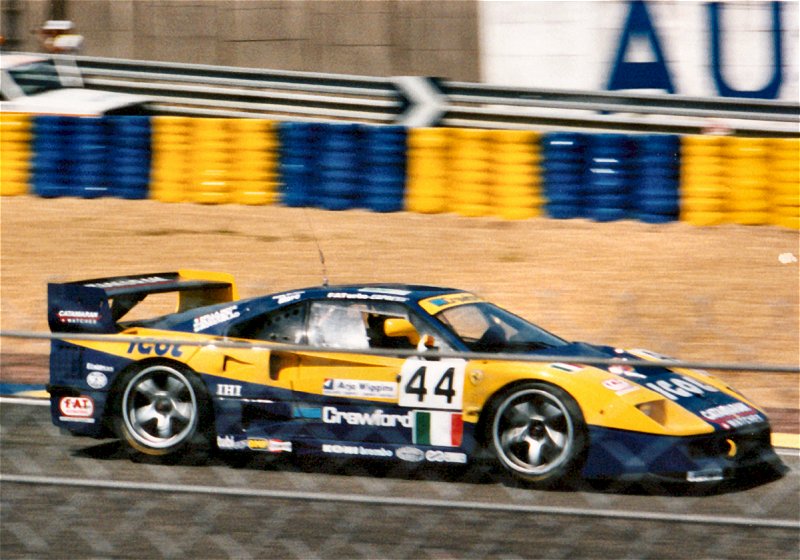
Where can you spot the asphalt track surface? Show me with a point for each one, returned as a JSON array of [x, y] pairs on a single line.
[[67, 497]]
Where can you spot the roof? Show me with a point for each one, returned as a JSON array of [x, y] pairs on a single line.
[[413, 292]]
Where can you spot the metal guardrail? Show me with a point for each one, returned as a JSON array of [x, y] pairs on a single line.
[[202, 90], [222, 342]]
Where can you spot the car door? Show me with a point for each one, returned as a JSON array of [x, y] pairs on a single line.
[[367, 398]]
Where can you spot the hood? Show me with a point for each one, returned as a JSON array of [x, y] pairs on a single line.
[[73, 101], [695, 391]]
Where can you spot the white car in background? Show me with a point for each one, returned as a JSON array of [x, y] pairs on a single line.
[[39, 85]]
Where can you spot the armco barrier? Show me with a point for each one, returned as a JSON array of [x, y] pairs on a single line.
[[703, 180]]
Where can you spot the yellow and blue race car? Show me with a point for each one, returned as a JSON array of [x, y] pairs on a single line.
[[406, 373]]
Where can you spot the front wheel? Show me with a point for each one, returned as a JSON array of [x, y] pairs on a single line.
[[538, 434], [164, 412]]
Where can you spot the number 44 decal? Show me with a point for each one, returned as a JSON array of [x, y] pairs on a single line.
[[434, 384]]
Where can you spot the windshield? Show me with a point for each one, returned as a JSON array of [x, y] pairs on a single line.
[[484, 327], [36, 77]]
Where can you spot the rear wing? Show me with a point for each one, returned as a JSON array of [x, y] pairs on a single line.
[[96, 306]]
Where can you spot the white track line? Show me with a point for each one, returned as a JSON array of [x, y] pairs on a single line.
[[403, 502], [24, 400]]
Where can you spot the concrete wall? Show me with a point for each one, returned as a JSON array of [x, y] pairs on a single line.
[[662, 45], [378, 37], [574, 45]]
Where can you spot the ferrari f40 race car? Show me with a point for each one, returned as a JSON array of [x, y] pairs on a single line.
[[406, 373]]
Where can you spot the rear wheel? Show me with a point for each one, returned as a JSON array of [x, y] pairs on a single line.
[[538, 434], [164, 412]]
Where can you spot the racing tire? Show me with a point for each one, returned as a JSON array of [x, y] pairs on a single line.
[[537, 433], [163, 414]]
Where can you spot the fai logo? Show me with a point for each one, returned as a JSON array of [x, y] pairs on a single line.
[[76, 407]]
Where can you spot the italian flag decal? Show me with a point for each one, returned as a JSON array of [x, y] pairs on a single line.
[[443, 429]]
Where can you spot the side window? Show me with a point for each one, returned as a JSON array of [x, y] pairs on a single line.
[[336, 325], [283, 325]]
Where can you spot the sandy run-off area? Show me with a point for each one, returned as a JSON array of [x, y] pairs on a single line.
[[717, 294]]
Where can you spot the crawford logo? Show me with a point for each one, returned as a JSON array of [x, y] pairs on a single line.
[[331, 415], [358, 388], [410, 454], [76, 407], [207, 321]]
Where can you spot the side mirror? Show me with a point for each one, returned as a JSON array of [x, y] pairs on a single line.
[[395, 327]]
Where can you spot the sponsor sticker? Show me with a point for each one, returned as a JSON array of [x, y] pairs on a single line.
[[362, 296], [619, 386], [679, 387], [332, 415], [410, 454], [436, 456], [288, 297], [212, 319], [388, 291], [359, 450], [270, 445], [734, 415], [76, 409], [439, 303], [96, 379], [157, 349], [569, 368], [128, 282], [225, 390], [626, 371], [230, 442], [359, 388], [79, 317]]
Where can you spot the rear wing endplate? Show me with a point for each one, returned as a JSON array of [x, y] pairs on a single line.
[[96, 306]]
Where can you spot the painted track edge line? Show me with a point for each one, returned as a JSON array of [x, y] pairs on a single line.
[[407, 502], [25, 400]]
